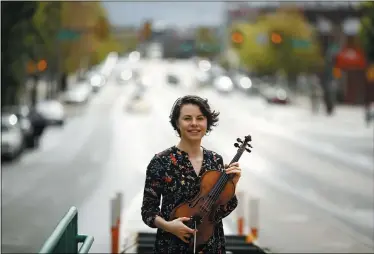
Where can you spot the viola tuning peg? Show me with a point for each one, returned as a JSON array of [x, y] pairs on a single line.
[[248, 138], [239, 140], [248, 150], [236, 145], [249, 145]]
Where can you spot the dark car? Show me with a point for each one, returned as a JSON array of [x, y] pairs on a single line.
[[32, 123], [172, 79]]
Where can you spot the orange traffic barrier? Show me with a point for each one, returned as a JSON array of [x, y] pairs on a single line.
[[241, 212], [116, 205], [253, 219]]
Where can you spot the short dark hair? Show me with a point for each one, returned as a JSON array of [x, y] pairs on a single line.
[[211, 116]]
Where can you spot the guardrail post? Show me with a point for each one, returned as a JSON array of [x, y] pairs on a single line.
[[116, 205], [254, 214], [65, 237]]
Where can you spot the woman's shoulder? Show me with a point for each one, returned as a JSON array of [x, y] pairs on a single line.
[[164, 155], [214, 156], [212, 153]]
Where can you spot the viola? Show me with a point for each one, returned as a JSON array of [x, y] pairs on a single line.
[[216, 188]]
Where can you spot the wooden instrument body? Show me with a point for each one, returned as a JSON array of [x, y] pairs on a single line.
[[193, 207]]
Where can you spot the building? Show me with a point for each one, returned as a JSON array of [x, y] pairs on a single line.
[[337, 23]]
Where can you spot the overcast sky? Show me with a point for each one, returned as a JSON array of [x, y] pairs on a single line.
[[177, 13]]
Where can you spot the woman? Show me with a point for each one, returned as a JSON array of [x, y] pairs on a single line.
[[175, 175]]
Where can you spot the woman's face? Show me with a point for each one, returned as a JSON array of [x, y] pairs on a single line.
[[192, 123]]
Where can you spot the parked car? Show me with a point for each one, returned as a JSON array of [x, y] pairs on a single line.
[[53, 111], [95, 79], [12, 142], [32, 123]]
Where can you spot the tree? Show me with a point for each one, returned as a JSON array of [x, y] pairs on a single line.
[[96, 40], [29, 33], [15, 27], [282, 41], [367, 29], [367, 39]]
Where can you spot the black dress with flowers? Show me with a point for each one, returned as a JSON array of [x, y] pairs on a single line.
[[170, 174]]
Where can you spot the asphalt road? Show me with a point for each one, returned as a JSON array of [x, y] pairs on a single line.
[[313, 175]]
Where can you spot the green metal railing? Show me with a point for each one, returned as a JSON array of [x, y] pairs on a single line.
[[65, 238]]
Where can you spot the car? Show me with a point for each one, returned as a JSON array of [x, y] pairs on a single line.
[[277, 95], [203, 78], [223, 84], [32, 123], [173, 79], [244, 84], [126, 75], [53, 112], [12, 142], [97, 81], [79, 94]]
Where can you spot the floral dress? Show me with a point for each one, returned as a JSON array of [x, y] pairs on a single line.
[[170, 174]]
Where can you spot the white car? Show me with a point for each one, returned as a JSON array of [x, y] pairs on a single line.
[[223, 84], [78, 94], [97, 81], [11, 136], [53, 111]]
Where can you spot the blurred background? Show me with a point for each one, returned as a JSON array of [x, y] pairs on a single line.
[[87, 87]]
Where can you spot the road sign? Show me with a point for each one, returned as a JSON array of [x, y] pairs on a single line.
[[68, 35], [208, 47], [301, 44]]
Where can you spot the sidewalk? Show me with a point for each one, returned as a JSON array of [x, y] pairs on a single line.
[[42, 88], [351, 116]]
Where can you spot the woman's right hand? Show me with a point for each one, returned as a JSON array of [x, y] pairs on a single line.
[[179, 229]]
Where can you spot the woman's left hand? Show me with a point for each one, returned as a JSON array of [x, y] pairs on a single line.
[[234, 169]]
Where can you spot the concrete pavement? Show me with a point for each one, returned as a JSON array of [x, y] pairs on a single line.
[[301, 191], [282, 170]]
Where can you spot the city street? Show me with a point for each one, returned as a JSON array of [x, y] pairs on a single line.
[[313, 174]]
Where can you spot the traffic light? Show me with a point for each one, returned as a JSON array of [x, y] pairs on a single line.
[[276, 38], [36, 67], [42, 65], [237, 38]]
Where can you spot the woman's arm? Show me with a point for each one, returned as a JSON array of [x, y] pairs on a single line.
[[152, 193]]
